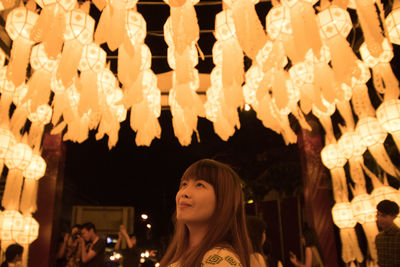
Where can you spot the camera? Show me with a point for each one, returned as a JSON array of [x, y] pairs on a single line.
[[74, 236]]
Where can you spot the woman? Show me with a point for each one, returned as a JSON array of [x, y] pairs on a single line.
[[210, 225], [69, 249], [312, 255]]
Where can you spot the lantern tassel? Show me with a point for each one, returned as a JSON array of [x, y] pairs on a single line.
[[12, 190], [103, 28], [89, 97], [350, 248], [117, 24], [382, 158], [39, 89], [19, 59], [68, 66], [29, 195], [371, 230]]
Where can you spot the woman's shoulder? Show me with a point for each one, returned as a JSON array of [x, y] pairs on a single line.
[[219, 256]]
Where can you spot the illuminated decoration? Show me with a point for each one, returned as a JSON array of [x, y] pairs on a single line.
[[181, 33], [112, 24], [335, 24], [38, 119], [334, 160], [11, 221], [39, 88], [19, 24], [388, 114], [78, 32], [352, 148], [304, 27], [225, 93], [7, 89], [343, 217], [50, 26], [92, 61], [249, 30], [7, 140], [373, 136], [392, 22], [365, 213], [17, 159], [29, 231]]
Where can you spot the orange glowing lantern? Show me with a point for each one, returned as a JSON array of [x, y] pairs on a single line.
[[302, 76], [19, 24], [39, 119], [29, 231], [7, 140], [335, 24], [39, 88], [93, 61], [78, 32], [388, 114], [393, 24], [11, 221], [7, 89], [342, 214], [373, 136]]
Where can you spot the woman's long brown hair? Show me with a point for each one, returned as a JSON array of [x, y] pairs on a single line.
[[227, 225]]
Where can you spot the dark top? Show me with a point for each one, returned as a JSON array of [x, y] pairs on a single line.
[[388, 247], [4, 264], [99, 259], [131, 257]]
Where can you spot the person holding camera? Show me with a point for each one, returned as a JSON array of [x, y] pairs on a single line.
[[92, 255], [69, 249]]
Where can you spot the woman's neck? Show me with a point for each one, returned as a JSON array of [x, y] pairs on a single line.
[[196, 234]]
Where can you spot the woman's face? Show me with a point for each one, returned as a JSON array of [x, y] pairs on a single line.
[[195, 201]]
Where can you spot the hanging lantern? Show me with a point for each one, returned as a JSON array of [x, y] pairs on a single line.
[[92, 62], [373, 136], [78, 32], [343, 217], [334, 161], [302, 75], [7, 140], [50, 25], [39, 119], [36, 168], [365, 213], [388, 114], [39, 88], [335, 24], [11, 221], [7, 89], [19, 156], [393, 24], [29, 231], [19, 24]]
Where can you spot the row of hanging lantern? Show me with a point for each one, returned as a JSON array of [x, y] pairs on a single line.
[[303, 64]]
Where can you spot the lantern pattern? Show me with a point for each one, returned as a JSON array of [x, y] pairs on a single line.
[[78, 32], [343, 217], [29, 231], [335, 25], [19, 24], [11, 222], [388, 115]]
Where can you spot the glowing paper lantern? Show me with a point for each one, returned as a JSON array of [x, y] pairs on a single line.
[[335, 24], [19, 24], [334, 160], [388, 114], [392, 23], [50, 26], [39, 84], [373, 136], [11, 221], [7, 89], [343, 217], [92, 62], [39, 119], [365, 213], [352, 148], [29, 231], [78, 32], [7, 140], [302, 75]]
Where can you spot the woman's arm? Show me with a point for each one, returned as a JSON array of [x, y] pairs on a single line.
[[118, 244], [63, 247], [298, 263]]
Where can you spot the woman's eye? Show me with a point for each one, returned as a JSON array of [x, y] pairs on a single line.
[[200, 185], [183, 184]]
